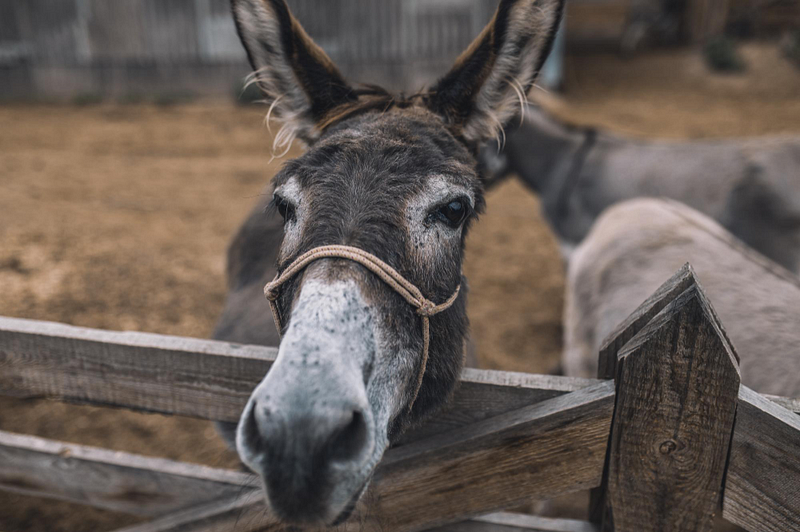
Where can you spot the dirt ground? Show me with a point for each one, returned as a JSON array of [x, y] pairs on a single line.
[[118, 217]]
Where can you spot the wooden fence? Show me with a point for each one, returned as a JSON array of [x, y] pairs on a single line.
[[669, 442], [61, 48], [129, 49]]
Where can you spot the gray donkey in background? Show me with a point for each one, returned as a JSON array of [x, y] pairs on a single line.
[[637, 244], [750, 186]]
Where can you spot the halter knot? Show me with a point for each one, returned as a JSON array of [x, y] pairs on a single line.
[[427, 308], [271, 291]]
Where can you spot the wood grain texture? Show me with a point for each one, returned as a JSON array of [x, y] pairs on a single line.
[[115, 481], [205, 378], [237, 514], [762, 487], [482, 394], [536, 452], [789, 403], [212, 380], [540, 451], [514, 522], [666, 293], [621, 335], [219, 515], [677, 388], [140, 371]]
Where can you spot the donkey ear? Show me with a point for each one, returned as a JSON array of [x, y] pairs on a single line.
[[298, 79], [488, 83]]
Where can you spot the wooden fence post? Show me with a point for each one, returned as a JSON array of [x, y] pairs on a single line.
[[677, 384], [762, 485]]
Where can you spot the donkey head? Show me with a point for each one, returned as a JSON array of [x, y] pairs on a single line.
[[396, 177]]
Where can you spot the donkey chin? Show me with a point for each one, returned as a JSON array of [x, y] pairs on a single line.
[[309, 429]]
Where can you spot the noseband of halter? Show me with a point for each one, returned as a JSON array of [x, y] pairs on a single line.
[[424, 307]]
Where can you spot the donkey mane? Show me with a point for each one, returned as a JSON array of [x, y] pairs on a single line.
[[365, 98], [369, 97]]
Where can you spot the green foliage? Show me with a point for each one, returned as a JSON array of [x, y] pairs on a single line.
[[721, 55]]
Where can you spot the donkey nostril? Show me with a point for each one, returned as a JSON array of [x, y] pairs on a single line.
[[248, 439], [349, 441]]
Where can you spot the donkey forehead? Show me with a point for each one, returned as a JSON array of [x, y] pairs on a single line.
[[392, 153]]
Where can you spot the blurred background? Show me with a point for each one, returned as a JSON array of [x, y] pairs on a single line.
[[129, 154]]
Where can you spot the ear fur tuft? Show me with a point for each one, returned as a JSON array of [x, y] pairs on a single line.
[[299, 81], [487, 85]]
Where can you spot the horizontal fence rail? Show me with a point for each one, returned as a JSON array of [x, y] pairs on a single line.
[[673, 422], [465, 472], [81, 47], [206, 379], [85, 32], [762, 488], [112, 480]]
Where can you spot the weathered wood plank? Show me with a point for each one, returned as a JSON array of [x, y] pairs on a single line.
[[677, 388], [666, 293], [150, 372], [621, 335], [112, 480], [204, 378], [217, 516], [536, 452], [540, 451], [789, 403], [240, 514], [484, 393], [682, 279], [514, 522], [762, 486]]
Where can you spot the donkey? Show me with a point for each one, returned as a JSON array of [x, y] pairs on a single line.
[[638, 244], [370, 300], [750, 186]]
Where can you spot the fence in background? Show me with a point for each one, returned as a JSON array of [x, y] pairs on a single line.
[[64, 48], [669, 440], [127, 48]]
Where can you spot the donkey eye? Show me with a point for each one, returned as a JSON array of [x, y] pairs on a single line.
[[453, 213], [285, 209]]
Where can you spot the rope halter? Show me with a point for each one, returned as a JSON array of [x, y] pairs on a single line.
[[424, 307]]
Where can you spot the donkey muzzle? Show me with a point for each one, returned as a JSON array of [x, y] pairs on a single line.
[[305, 453], [308, 429]]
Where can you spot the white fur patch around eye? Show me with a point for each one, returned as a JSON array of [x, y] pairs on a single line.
[[293, 229], [425, 237]]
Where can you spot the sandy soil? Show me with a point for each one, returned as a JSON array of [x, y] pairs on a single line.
[[118, 217]]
